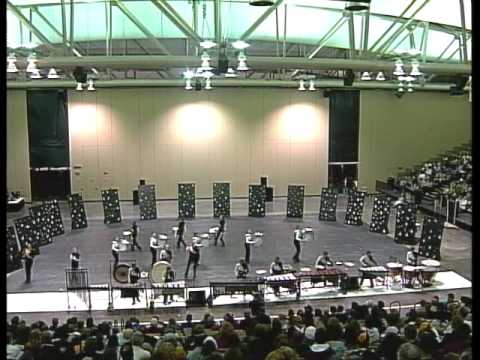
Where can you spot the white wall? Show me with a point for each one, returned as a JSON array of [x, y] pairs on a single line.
[[169, 135], [18, 159]]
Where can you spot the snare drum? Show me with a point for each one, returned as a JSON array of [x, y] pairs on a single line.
[[395, 268], [121, 273], [307, 234], [428, 275], [122, 246], [127, 233], [257, 238], [410, 273], [213, 230], [175, 231], [205, 239]]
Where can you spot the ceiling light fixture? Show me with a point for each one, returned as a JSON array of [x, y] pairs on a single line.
[[311, 86], [36, 74], [32, 63], [415, 68], [399, 68], [11, 67], [90, 85], [242, 62], [208, 44], [79, 87], [301, 85], [205, 62], [230, 73], [357, 5], [380, 76], [52, 74], [366, 76], [240, 44], [261, 2], [208, 84], [188, 84]]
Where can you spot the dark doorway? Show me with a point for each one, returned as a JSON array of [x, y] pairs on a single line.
[[342, 176], [49, 144]]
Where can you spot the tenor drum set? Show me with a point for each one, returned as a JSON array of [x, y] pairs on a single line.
[[307, 234]]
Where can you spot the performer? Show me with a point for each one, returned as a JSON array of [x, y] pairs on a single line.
[[324, 260], [75, 259], [153, 247], [193, 257], [367, 260], [133, 277], [241, 269], [221, 231], [182, 227], [166, 254], [276, 268], [297, 237], [134, 237], [248, 243], [169, 277], [28, 255], [411, 256], [115, 250]]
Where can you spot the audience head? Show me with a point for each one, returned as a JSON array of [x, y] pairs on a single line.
[[408, 351]]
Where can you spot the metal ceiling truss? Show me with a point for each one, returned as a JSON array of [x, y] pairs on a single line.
[[261, 19]]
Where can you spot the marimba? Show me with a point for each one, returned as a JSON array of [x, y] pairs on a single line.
[[234, 287], [333, 275], [288, 281], [169, 288]]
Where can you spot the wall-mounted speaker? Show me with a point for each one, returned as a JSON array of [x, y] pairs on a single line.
[[196, 298], [80, 75], [348, 78]]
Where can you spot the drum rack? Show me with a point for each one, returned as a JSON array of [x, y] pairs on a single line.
[[76, 280]]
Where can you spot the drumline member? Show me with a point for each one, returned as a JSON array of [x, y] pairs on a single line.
[[133, 277], [221, 231], [28, 255], [367, 260], [182, 227], [324, 260], [297, 238], [134, 237], [276, 268], [169, 277], [153, 247], [193, 256], [115, 250], [74, 259], [241, 269], [166, 254], [248, 243], [411, 257]]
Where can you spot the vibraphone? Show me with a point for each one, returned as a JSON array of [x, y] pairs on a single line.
[[333, 275], [170, 288], [288, 281], [234, 287], [373, 272]]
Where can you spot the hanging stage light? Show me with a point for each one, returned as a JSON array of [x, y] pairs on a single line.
[[230, 73], [240, 44], [311, 86], [357, 5], [79, 87], [32, 63], [380, 76], [208, 84], [52, 74], [301, 85], [415, 68], [242, 62], [207, 44], [365, 76], [399, 68], [205, 62], [409, 87], [90, 85], [36, 74], [11, 67], [261, 2]]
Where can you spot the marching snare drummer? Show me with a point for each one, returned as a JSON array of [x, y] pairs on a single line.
[[193, 256], [182, 227], [166, 254], [411, 256], [324, 260], [221, 231], [241, 269], [74, 259], [154, 246], [116, 250], [297, 238], [169, 277]]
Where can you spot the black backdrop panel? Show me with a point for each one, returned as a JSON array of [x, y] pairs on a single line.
[[77, 211], [186, 200], [353, 215], [221, 199], [295, 201], [431, 240], [14, 255], [111, 206], [380, 215], [256, 200], [54, 217], [26, 232], [147, 202], [39, 215], [328, 205], [405, 223]]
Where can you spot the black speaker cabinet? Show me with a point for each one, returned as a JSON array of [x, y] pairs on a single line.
[[269, 195], [196, 298], [263, 181], [135, 197], [142, 182]]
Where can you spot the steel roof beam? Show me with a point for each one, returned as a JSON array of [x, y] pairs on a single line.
[[323, 41], [176, 19], [260, 20], [464, 34]]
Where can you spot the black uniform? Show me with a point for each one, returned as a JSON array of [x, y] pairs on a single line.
[[247, 248], [153, 250], [134, 276], [220, 232], [296, 243], [75, 260], [115, 254], [180, 234], [134, 238], [169, 277], [193, 258], [28, 257]]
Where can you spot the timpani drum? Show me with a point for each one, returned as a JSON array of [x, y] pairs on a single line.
[[123, 245], [257, 238], [395, 268], [121, 273], [430, 263], [410, 273], [159, 269], [307, 234], [162, 239]]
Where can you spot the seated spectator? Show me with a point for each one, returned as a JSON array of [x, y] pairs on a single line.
[[225, 335], [408, 351], [390, 344], [112, 348], [283, 353], [138, 351], [154, 326], [319, 350], [335, 335], [126, 351]]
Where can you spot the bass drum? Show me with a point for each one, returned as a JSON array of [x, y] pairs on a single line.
[[121, 273], [159, 269]]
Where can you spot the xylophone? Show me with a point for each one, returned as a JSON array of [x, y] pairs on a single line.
[[374, 271], [333, 275], [169, 288], [288, 281]]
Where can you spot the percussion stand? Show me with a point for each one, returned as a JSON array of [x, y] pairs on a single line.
[[110, 291]]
